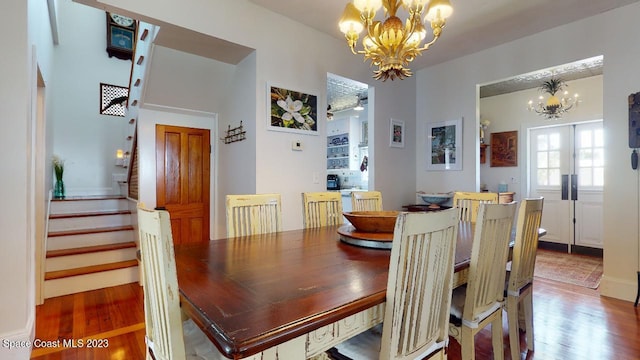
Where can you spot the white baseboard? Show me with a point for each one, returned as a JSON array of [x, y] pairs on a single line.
[[623, 289], [18, 345]]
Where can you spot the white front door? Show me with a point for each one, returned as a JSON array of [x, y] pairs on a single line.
[[567, 169]]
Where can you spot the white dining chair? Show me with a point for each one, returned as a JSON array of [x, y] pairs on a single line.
[[322, 209], [366, 201], [418, 291], [467, 203], [253, 214], [480, 302], [520, 283], [168, 337]]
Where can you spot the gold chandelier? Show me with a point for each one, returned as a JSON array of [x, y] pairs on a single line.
[[390, 45], [554, 107]]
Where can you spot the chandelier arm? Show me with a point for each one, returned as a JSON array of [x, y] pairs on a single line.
[[427, 45]]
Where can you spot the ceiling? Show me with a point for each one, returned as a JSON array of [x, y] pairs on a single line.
[[343, 93], [475, 25]]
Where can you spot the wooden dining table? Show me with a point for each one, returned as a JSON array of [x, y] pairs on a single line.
[[288, 295]]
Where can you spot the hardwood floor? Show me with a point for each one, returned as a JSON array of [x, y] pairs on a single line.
[[570, 322], [110, 318]]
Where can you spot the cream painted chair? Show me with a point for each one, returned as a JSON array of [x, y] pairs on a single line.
[[520, 285], [167, 335], [253, 214], [418, 291], [322, 208], [468, 203], [480, 302], [366, 201]]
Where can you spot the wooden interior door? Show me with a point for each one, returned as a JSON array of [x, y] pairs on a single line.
[[182, 180]]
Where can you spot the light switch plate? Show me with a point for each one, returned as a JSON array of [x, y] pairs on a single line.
[[296, 145]]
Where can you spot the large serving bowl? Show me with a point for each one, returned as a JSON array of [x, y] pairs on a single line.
[[372, 221], [435, 199]]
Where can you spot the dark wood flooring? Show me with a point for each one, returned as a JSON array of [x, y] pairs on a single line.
[[570, 322]]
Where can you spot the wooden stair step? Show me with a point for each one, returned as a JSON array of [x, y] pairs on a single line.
[[52, 275], [87, 214], [89, 231], [90, 249]]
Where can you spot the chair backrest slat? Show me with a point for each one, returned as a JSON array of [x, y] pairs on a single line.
[[489, 252], [526, 244], [420, 283], [322, 209], [253, 214], [163, 319]]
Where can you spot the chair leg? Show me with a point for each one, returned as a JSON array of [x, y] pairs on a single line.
[[514, 333], [527, 303], [467, 343], [496, 336]]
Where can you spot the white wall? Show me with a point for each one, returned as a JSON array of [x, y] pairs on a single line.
[[273, 165], [449, 90], [15, 265], [236, 161], [27, 48], [86, 140], [508, 112], [186, 81]]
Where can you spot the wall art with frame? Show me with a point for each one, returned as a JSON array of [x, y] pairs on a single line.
[[396, 133], [444, 145], [292, 111], [504, 149]]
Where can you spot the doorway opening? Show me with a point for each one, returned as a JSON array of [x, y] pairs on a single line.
[[503, 107], [349, 136]]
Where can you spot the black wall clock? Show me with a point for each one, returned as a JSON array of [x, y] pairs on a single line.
[[121, 36]]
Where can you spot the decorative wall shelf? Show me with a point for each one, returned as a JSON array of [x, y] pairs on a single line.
[[483, 156], [234, 134]]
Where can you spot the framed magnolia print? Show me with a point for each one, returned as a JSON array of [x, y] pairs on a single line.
[[396, 133], [292, 111], [504, 149], [444, 145]]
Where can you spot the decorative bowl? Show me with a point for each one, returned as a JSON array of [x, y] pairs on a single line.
[[435, 199], [373, 221]]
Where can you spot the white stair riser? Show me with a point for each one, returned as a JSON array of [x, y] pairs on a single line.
[[101, 238], [76, 284], [82, 260], [83, 206], [89, 222]]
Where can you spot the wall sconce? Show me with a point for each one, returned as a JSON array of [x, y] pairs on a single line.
[[122, 158]]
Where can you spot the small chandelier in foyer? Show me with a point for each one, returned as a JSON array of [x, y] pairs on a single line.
[[554, 107], [390, 45]]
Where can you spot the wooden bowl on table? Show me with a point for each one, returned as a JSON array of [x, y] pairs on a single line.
[[373, 221]]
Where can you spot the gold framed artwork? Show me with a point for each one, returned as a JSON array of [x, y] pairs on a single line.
[[504, 149]]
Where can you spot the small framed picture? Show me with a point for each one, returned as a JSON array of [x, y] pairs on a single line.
[[396, 133]]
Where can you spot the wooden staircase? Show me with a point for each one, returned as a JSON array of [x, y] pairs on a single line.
[[90, 245]]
